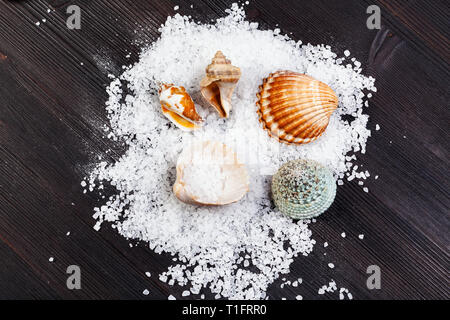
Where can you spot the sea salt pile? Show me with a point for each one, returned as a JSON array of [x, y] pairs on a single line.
[[237, 250]]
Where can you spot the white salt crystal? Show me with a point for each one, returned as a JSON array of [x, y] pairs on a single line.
[[325, 244], [51, 259], [144, 207], [377, 127], [347, 53], [83, 183], [38, 23], [186, 293], [44, 20], [361, 236], [171, 297], [331, 265], [366, 190], [148, 274], [145, 292], [299, 297], [176, 8], [68, 233], [343, 235]]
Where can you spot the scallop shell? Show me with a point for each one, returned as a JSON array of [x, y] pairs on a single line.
[[208, 173], [178, 107], [219, 83], [294, 107], [303, 189]]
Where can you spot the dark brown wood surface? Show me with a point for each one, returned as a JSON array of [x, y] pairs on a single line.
[[52, 113]]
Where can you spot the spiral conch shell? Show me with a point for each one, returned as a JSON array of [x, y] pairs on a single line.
[[219, 83], [294, 107], [208, 173], [178, 107]]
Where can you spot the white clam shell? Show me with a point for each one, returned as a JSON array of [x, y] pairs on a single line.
[[209, 173]]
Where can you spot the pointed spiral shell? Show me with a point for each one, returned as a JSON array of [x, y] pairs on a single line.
[[219, 82], [294, 107]]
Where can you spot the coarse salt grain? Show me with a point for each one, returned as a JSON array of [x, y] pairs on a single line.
[[145, 292], [331, 265], [209, 241], [186, 293], [361, 236], [171, 297], [148, 274], [51, 259]]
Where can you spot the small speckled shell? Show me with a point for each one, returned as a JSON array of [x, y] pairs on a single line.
[[303, 189], [294, 107], [219, 83]]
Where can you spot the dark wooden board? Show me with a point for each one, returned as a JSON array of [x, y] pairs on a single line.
[[52, 113]]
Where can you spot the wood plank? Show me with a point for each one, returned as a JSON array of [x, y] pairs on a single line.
[[52, 94]]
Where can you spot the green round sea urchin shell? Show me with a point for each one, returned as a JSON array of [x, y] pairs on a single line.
[[303, 189]]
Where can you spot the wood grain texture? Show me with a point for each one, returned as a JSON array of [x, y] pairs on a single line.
[[52, 95]]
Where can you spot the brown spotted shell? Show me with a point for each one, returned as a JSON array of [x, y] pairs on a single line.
[[219, 82], [178, 107], [294, 107]]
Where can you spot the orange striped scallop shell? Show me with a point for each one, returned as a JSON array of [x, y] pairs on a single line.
[[294, 107]]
